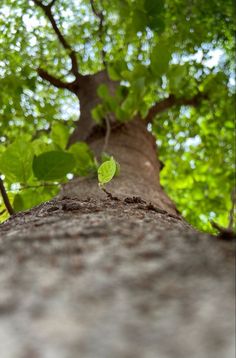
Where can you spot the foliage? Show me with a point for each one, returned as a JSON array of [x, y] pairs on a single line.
[[33, 169], [154, 48]]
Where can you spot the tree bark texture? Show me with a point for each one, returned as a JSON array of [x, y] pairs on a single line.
[[115, 274], [101, 278]]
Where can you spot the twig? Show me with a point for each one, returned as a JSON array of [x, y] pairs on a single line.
[[5, 198], [109, 195], [100, 16], [52, 3], [224, 233]]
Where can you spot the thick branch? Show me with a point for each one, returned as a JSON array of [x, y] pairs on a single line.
[[53, 80], [5, 198], [72, 54], [172, 101]]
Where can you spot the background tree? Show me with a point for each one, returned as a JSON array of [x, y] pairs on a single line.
[[172, 65], [89, 89]]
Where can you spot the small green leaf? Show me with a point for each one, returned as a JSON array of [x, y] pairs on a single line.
[[154, 6], [107, 171], [98, 113], [139, 20], [30, 197], [60, 134], [84, 158], [18, 203], [53, 165], [103, 91], [113, 73], [16, 161], [160, 58]]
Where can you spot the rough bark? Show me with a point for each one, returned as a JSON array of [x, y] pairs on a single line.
[[106, 278], [135, 150], [115, 274]]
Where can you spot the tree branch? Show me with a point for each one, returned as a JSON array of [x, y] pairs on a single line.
[[52, 3], [100, 16], [172, 101], [72, 54], [5, 198], [53, 80]]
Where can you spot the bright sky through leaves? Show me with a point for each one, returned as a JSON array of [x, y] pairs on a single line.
[[154, 48]]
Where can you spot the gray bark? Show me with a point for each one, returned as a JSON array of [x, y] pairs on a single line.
[[106, 278], [117, 275]]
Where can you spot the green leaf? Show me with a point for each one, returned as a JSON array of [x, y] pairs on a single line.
[[177, 78], [106, 157], [103, 91], [107, 171], [154, 6], [41, 145], [113, 73], [139, 86], [115, 70], [30, 197], [16, 161], [84, 158], [139, 21], [18, 203], [160, 58], [156, 24], [98, 113], [53, 165], [60, 134]]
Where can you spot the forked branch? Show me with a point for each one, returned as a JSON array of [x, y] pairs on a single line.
[[71, 52], [53, 80]]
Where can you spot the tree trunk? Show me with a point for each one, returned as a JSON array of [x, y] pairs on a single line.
[[115, 274]]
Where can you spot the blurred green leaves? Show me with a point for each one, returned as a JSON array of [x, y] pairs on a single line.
[[53, 165], [153, 48], [16, 161], [34, 169]]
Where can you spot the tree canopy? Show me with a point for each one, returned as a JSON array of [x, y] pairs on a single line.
[[173, 60]]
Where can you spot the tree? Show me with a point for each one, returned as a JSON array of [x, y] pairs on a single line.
[[116, 261]]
